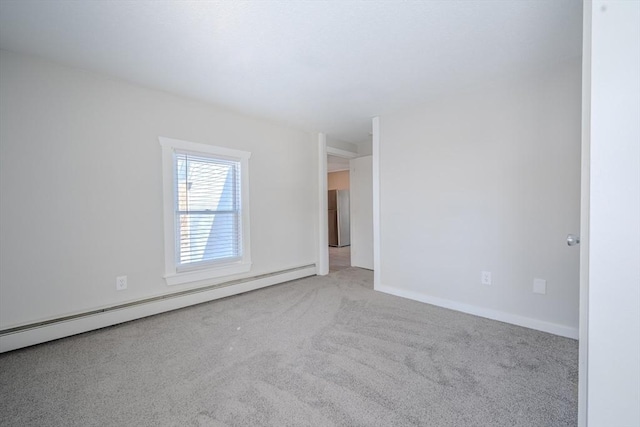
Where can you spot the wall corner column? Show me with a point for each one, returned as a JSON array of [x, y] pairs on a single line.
[[376, 202], [323, 226]]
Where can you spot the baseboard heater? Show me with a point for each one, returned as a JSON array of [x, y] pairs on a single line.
[[251, 283]]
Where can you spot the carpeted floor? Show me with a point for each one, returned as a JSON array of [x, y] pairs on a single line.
[[339, 258], [320, 351]]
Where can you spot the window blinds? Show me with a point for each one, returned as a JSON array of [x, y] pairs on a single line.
[[207, 209]]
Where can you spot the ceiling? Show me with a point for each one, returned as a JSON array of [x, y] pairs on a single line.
[[319, 65]]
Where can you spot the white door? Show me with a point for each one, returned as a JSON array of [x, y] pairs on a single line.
[[612, 329], [361, 184]]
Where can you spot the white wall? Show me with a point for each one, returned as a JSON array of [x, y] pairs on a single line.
[[365, 148], [362, 212], [81, 187], [486, 179], [614, 249]]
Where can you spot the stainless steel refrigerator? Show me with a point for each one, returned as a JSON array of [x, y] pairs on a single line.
[[339, 227]]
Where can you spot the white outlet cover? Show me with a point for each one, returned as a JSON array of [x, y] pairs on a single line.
[[121, 283], [485, 278], [539, 286]]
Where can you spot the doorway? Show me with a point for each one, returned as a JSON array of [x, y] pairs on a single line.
[[361, 213], [338, 212]]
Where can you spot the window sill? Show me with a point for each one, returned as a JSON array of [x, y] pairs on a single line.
[[205, 274]]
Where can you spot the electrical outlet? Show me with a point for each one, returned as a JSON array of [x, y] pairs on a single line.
[[539, 286], [485, 278], [121, 283]]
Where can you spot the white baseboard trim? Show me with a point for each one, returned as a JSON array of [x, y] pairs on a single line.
[[527, 322], [77, 325]]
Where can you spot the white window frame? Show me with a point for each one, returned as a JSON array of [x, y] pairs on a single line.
[[173, 275]]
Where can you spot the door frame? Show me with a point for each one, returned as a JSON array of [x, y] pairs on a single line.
[[585, 188], [375, 172], [322, 267]]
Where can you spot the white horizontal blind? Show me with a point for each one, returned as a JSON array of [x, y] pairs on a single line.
[[207, 210]]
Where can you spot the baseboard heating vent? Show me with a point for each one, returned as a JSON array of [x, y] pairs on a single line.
[[172, 295]]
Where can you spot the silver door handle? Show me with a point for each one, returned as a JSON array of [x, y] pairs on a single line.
[[573, 240]]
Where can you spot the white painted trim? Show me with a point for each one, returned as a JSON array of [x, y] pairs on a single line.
[[196, 147], [376, 202], [218, 272], [341, 153], [172, 275], [79, 325], [514, 319], [585, 185], [323, 222]]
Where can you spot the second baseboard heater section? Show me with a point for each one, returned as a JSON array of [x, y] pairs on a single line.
[[38, 332]]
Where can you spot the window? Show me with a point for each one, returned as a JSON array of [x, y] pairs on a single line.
[[206, 211]]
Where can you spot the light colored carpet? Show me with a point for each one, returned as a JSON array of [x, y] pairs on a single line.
[[314, 352]]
